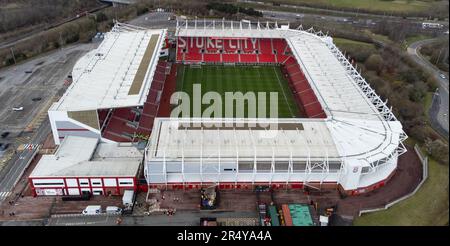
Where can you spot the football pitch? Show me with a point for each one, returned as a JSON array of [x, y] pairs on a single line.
[[230, 78]]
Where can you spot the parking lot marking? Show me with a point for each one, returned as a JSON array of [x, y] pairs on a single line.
[[4, 195], [30, 146]]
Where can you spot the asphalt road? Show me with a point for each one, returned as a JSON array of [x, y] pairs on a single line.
[[355, 21], [154, 20], [440, 108], [181, 218], [43, 27], [41, 77], [12, 173], [17, 88]]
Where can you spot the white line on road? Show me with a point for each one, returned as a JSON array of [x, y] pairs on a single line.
[[4, 195]]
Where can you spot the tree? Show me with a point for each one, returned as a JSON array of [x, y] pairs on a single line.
[[374, 63], [438, 150]]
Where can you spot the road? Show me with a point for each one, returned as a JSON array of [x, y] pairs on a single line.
[[10, 175], [154, 20], [333, 12], [41, 77], [292, 16], [43, 27], [440, 107], [181, 218], [17, 87], [358, 21]]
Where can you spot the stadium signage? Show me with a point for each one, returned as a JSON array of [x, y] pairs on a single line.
[[215, 43]]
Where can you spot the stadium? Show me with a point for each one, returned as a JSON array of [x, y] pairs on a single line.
[[332, 129]]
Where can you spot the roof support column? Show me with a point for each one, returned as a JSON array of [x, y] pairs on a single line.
[[201, 158]]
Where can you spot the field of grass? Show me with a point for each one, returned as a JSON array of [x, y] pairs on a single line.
[[342, 42], [223, 78], [427, 100], [395, 6], [429, 206]]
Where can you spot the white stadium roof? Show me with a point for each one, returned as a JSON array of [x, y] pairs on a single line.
[[359, 125], [86, 157], [104, 78], [295, 138]]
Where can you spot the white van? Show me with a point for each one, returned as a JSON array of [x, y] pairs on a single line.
[[113, 210], [128, 198], [92, 209]]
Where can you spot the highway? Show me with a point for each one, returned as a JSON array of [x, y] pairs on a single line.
[[330, 12], [43, 27], [440, 107]]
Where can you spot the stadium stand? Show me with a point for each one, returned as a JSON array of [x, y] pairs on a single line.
[[248, 58], [230, 58], [235, 50], [305, 97], [265, 45], [124, 123], [266, 58], [212, 58]]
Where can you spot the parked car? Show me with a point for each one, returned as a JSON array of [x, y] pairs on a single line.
[[4, 134], [3, 147], [113, 210], [442, 76], [17, 108], [92, 209]]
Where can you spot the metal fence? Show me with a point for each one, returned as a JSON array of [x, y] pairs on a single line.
[[424, 161]]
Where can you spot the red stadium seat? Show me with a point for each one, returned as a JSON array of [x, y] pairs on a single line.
[[122, 125], [266, 58], [211, 57], [265, 46], [230, 58], [248, 58], [249, 45]]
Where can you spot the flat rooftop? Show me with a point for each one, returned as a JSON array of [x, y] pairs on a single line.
[[116, 74], [175, 139], [301, 216], [87, 157]]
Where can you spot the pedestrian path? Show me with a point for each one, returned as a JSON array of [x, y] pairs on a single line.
[[28, 146], [4, 195]]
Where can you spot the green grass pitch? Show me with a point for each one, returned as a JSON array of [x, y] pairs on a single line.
[[230, 78]]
